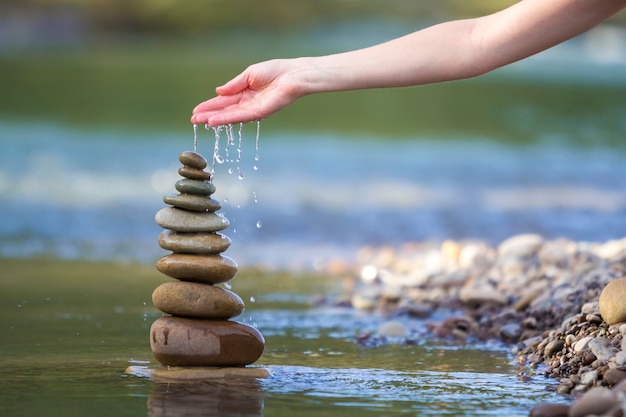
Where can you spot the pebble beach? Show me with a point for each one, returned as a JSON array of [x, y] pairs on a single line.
[[558, 304]]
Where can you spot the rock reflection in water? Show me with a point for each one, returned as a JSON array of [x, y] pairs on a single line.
[[224, 398]]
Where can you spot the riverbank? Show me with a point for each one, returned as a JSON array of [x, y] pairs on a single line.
[[541, 297]]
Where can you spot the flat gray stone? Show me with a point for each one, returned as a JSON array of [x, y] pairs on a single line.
[[180, 220], [192, 202], [195, 187], [200, 243]]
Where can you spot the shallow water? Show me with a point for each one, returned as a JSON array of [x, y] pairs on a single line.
[[67, 339]]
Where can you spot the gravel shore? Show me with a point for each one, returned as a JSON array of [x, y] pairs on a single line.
[[559, 304]]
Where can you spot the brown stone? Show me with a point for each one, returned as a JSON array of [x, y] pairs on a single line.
[[192, 202], [191, 299], [180, 220], [193, 159], [596, 401], [201, 243], [549, 410], [194, 173], [612, 301], [613, 377], [195, 187], [210, 269], [179, 341]]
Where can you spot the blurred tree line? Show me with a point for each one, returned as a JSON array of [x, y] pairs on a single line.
[[192, 16]]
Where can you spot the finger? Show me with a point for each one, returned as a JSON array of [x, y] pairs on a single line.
[[234, 86], [216, 103]]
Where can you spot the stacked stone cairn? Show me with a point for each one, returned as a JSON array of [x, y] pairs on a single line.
[[198, 333]]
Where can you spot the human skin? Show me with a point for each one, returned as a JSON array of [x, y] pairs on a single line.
[[448, 51]]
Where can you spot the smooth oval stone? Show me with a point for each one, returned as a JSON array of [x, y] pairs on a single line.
[[192, 202], [193, 159], [195, 187], [612, 301], [177, 341], [209, 269], [202, 243], [190, 299], [180, 220], [194, 173]]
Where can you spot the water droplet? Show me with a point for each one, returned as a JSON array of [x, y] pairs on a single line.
[[259, 224], [240, 176], [228, 286], [254, 167], [252, 299], [230, 170]]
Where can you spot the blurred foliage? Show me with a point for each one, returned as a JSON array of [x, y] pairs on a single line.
[[175, 16]]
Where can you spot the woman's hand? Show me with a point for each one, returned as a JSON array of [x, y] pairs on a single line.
[[261, 90]]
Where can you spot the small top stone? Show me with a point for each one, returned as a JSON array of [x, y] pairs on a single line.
[[192, 159]]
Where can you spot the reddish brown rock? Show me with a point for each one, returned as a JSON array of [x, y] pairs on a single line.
[[190, 299], [179, 341], [201, 243], [549, 410], [210, 269]]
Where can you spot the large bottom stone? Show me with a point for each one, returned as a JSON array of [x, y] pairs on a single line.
[[177, 341]]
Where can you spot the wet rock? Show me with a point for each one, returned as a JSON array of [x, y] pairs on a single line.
[[192, 202], [209, 269], [193, 173], [192, 159], [179, 220], [595, 402], [200, 243], [190, 299], [549, 410], [612, 301], [179, 341], [187, 186]]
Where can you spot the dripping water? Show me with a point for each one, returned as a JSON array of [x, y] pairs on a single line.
[[195, 137]]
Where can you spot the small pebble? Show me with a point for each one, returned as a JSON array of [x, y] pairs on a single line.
[[192, 159]]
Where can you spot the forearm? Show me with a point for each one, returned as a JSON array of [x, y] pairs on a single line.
[[457, 49]]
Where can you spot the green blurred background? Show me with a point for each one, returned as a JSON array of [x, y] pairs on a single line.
[[144, 64]]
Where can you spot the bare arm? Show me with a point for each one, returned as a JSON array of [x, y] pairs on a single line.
[[448, 51]]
